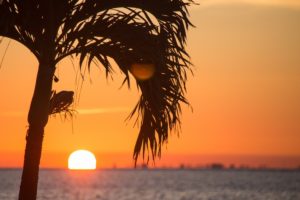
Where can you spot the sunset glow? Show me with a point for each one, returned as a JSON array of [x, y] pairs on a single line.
[[82, 160], [244, 94]]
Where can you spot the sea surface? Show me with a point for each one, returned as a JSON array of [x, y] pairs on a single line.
[[158, 185]]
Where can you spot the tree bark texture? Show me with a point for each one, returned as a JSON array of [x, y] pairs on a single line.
[[37, 119]]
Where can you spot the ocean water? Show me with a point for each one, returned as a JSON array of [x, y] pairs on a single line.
[[158, 185]]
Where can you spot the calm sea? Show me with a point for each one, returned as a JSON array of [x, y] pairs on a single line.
[[158, 185]]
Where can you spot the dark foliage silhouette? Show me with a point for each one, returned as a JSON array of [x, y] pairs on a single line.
[[131, 32]]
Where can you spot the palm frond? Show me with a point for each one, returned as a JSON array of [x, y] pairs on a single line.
[[33, 23], [159, 106]]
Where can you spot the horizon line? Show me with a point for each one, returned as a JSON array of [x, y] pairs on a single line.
[[209, 167]]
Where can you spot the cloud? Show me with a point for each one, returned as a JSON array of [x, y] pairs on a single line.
[[90, 111], [93, 111]]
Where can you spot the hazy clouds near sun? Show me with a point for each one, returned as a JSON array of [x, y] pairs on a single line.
[[103, 110], [83, 111]]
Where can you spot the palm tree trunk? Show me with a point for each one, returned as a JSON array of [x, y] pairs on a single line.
[[37, 119]]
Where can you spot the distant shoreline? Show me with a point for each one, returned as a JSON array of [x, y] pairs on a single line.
[[160, 169]]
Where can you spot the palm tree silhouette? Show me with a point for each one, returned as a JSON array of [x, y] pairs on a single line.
[[137, 34]]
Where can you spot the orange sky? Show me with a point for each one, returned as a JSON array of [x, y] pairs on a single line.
[[245, 95]]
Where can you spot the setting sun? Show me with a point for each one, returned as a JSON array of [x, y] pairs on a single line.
[[82, 160]]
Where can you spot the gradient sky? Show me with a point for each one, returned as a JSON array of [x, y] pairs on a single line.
[[245, 95]]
